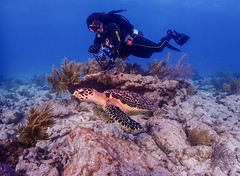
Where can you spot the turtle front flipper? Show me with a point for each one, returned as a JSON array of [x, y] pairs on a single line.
[[99, 112], [116, 114]]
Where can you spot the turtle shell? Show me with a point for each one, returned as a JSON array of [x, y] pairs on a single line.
[[132, 99]]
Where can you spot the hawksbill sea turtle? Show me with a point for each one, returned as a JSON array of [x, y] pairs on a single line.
[[118, 104]]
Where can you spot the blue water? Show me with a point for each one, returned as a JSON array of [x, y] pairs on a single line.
[[35, 35]]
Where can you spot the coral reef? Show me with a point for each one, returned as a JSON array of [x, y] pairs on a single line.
[[108, 158], [233, 87], [164, 69], [192, 133], [10, 151], [5, 170], [200, 137], [226, 82], [181, 70], [37, 122], [157, 68], [69, 74], [134, 68], [63, 80], [223, 158], [91, 67], [191, 89], [136, 83], [39, 80]]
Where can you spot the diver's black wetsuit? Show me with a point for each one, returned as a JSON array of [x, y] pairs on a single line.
[[142, 47], [130, 44]]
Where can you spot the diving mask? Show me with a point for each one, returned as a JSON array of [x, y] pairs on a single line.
[[94, 26]]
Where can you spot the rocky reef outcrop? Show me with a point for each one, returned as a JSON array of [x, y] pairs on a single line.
[[195, 132]]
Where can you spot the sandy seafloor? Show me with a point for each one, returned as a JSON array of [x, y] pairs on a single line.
[[82, 144]]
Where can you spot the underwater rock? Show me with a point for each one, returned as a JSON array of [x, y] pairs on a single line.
[[158, 90], [103, 80], [82, 144], [64, 107], [34, 161], [167, 134], [100, 154], [5, 170], [224, 160], [3, 135], [11, 116]]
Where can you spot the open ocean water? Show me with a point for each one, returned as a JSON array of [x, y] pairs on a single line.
[[35, 35]]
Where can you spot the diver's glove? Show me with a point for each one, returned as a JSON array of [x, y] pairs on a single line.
[[111, 64], [94, 49]]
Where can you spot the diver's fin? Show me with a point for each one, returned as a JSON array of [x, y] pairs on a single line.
[[171, 47], [178, 37]]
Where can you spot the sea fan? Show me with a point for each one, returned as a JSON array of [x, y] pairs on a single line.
[[69, 74], [181, 70], [37, 123]]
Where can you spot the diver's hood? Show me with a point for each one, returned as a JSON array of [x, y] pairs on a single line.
[[96, 16]]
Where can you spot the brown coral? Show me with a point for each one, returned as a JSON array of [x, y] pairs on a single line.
[[37, 122], [157, 68], [91, 67], [200, 137], [134, 68], [181, 70], [10, 150], [233, 87], [69, 74], [163, 69]]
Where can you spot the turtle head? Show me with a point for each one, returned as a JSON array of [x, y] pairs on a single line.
[[84, 94]]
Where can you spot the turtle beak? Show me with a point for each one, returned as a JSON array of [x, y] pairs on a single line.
[[78, 94]]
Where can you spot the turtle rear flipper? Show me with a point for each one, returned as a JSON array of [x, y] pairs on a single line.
[[116, 114]]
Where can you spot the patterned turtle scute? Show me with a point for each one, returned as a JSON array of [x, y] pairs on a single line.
[[132, 99]]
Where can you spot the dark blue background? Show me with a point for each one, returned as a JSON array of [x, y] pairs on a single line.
[[35, 35]]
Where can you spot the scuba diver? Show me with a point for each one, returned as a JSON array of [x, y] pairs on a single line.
[[115, 32]]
